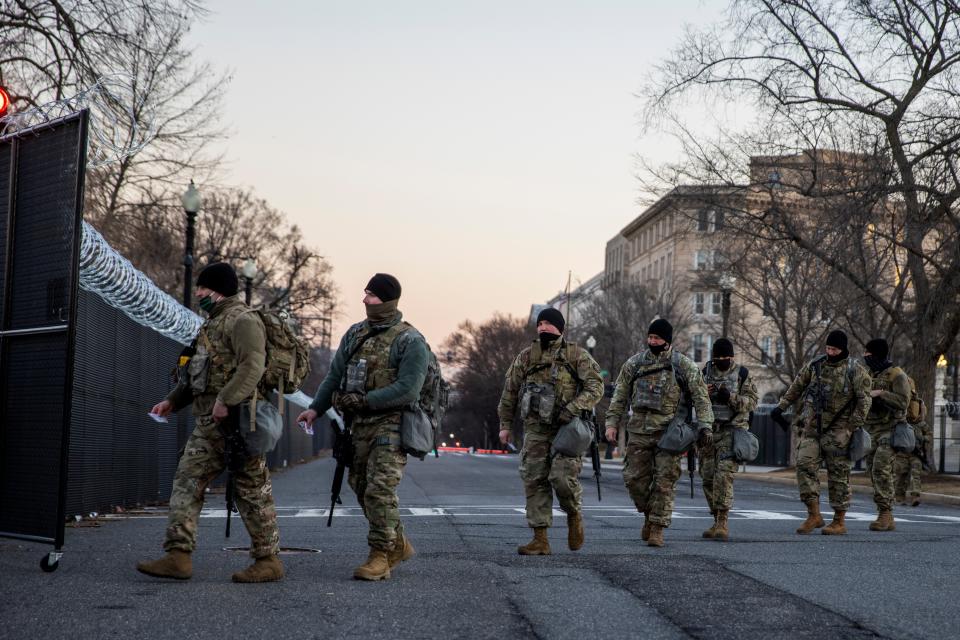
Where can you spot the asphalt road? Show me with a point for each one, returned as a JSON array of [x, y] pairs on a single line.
[[465, 516]]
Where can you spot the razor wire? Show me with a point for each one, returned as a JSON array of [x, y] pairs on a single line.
[[108, 274], [121, 122]]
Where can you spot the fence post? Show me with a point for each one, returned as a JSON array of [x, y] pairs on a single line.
[[943, 440]]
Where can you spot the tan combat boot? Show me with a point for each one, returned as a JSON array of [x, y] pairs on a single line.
[[401, 552], [377, 566], [837, 527], [539, 546], [175, 564], [656, 536], [712, 531], [645, 534], [814, 519], [266, 569], [884, 521], [574, 531], [721, 532]]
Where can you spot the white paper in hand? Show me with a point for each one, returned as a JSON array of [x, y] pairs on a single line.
[[157, 418]]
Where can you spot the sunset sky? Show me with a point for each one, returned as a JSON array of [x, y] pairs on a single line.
[[476, 150]]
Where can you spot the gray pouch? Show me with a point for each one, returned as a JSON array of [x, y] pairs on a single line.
[[198, 370], [860, 444], [746, 445], [678, 437], [574, 438], [416, 432], [903, 438], [267, 430]]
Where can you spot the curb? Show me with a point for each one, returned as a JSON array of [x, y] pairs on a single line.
[[925, 497]]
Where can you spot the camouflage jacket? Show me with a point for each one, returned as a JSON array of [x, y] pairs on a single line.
[[395, 356], [743, 396], [890, 407], [646, 375], [845, 387], [229, 360], [543, 383]]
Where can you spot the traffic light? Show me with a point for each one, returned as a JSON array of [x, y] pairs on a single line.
[[4, 102]]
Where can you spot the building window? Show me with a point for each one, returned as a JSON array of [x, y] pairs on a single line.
[[767, 304], [698, 303], [709, 220], [716, 304], [703, 220], [698, 348], [779, 354], [765, 350], [702, 260]]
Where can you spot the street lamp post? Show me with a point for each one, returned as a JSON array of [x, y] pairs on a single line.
[[727, 284], [249, 272], [191, 202], [591, 344]]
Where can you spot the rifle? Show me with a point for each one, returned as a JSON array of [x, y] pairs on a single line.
[[343, 454], [595, 455], [235, 453]]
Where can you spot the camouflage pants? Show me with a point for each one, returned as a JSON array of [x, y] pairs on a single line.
[[906, 472], [650, 476], [831, 449], [202, 461], [375, 474], [880, 471], [543, 476], [717, 467]]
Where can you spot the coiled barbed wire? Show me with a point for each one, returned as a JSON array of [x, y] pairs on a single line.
[[121, 122], [105, 272]]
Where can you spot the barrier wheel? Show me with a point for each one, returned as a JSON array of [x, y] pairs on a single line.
[[48, 565]]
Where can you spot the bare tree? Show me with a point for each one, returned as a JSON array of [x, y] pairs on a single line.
[[873, 89], [481, 354]]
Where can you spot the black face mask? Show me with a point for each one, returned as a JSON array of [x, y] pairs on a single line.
[[657, 349], [837, 358], [876, 364], [546, 339], [722, 365]]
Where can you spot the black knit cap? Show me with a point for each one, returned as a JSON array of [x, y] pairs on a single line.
[[553, 316], [220, 277], [837, 339], [384, 286], [722, 348], [878, 348], [662, 328]]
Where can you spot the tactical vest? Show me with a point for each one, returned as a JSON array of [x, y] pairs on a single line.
[[916, 410], [883, 381], [656, 387], [834, 390], [548, 386], [722, 413], [369, 367], [215, 361]]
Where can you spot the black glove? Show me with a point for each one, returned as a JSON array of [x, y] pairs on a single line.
[[352, 402], [705, 437], [565, 416], [723, 395], [777, 416]]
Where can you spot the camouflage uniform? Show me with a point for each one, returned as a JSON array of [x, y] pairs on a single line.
[[647, 384], [846, 385], [552, 372], [886, 410], [907, 467], [395, 357], [717, 464], [228, 364]]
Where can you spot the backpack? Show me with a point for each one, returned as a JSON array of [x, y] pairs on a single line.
[[916, 410], [288, 357], [435, 392]]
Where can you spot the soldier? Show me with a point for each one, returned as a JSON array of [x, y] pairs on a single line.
[[908, 466], [223, 373], [378, 370], [890, 394], [733, 396], [657, 383], [835, 391], [553, 381]]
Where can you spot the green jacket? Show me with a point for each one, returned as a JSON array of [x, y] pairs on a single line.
[[652, 421], [229, 361], [846, 386], [393, 381], [532, 366], [890, 406]]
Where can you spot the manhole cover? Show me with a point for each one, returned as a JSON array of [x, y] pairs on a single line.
[[284, 551]]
